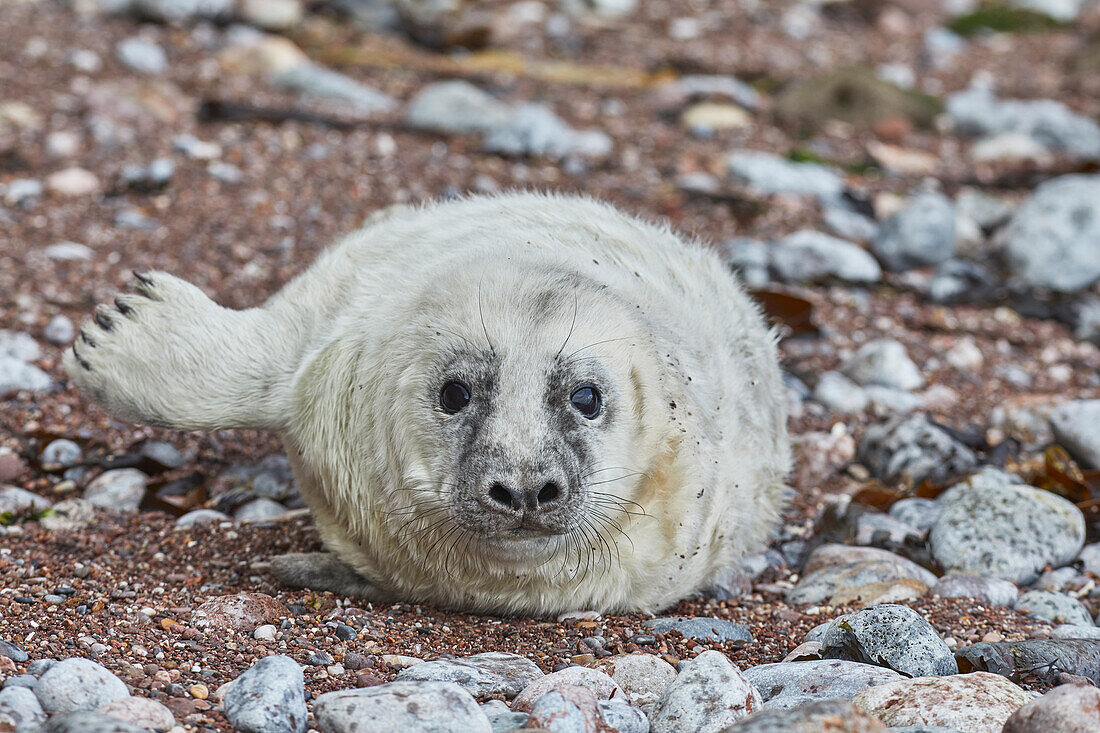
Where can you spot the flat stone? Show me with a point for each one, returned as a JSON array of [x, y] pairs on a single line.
[[1045, 659], [268, 698], [1008, 532], [259, 510], [643, 678], [140, 711], [810, 256], [994, 591], [1058, 608], [1077, 428], [700, 629], [767, 173], [427, 707], [22, 706], [889, 636], [86, 721], [17, 501], [599, 683], [314, 80], [1053, 240], [16, 375], [1065, 709], [120, 489], [976, 111], [914, 450], [78, 684], [834, 716], [708, 695], [1069, 631], [201, 516], [883, 362], [977, 703], [482, 675], [455, 106], [790, 684], [533, 129], [842, 572], [241, 612]]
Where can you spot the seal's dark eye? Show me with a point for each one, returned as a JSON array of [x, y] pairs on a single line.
[[586, 398], [454, 396]]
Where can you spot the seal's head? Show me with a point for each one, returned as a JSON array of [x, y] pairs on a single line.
[[526, 413]]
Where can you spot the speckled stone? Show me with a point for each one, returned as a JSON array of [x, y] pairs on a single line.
[[890, 636], [78, 684], [426, 707], [482, 675], [790, 684], [1058, 608], [268, 698], [834, 716], [599, 683], [994, 591], [708, 695], [1065, 709], [241, 612], [978, 702]]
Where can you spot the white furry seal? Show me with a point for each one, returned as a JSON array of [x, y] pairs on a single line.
[[514, 404]]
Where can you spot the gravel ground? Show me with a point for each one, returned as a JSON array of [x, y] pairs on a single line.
[[130, 582]]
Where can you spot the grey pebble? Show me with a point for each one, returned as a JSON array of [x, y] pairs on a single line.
[[623, 717], [890, 636], [20, 680], [120, 489], [913, 449], [883, 362], [142, 55], [21, 705], [78, 684], [1077, 426], [1069, 631], [709, 694], [810, 256], [39, 666], [201, 516], [840, 394], [533, 129], [12, 652], [767, 173], [1058, 608], [455, 106], [700, 629], [19, 345], [60, 453], [482, 675], [259, 510], [268, 698], [314, 80], [16, 375], [59, 330], [810, 717], [921, 233], [86, 721], [994, 591], [916, 512]]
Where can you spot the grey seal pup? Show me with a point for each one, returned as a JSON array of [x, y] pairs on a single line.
[[523, 403]]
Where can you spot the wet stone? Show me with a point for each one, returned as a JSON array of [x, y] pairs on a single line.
[[78, 684], [889, 636], [789, 684], [1058, 608], [708, 695], [268, 698], [482, 675]]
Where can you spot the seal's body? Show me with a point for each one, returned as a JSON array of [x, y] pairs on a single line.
[[522, 403]]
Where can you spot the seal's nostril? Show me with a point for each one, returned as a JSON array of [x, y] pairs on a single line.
[[504, 496], [549, 493]]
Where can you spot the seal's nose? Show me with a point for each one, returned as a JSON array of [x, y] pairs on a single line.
[[540, 495]]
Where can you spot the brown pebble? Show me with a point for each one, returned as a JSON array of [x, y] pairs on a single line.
[[365, 679], [199, 692], [893, 129], [11, 467]]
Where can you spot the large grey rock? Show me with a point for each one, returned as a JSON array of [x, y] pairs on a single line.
[[809, 256], [994, 591], [268, 698], [767, 173], [482, 675], [455, 106], [569, 710], [18, 345], [700, 628], [913, 449], [428, 707], [140, 711], [120, 489], [883, 362], [890, 636], [979, 702], [708, 695], [1058, 608], [789, 684], [314, 80], [1065, 709], [834, 716], [21, 705], [533, 129], [1053, 240], [1077, 425], [1008, 532], [976, 111], [921, 233], [622, 717], [78, 684]]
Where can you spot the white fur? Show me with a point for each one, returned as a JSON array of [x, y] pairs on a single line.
[[329, 364]]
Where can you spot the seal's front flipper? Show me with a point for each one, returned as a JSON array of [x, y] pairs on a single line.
[[321, 571], [168, 355]]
